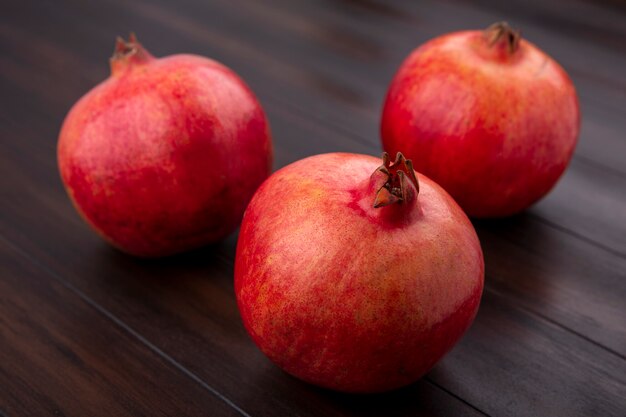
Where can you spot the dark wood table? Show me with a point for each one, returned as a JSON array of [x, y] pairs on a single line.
[[88, 331]]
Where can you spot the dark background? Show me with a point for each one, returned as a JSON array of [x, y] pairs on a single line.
[[88, 331]]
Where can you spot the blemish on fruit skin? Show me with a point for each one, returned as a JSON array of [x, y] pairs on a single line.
[[288, 307]]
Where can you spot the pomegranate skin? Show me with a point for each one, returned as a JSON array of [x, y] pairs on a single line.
[[492, 120], [164, 155], [347, 296]]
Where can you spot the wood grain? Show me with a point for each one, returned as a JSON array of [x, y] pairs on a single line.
[[550, 338], [60, 356]]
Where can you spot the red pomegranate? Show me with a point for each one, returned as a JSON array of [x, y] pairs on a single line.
[[487, 115], [347, 278], [165, 154]]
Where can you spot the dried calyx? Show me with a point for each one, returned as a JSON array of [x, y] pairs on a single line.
[[501, 34], [394, 182], [128, 52], [124, 48]]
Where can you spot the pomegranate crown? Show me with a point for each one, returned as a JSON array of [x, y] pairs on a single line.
[[501, 33], [126, 54], [395, 182]]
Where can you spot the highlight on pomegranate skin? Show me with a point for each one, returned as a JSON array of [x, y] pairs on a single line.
[[356, 275], [487, 115], [165, 154]]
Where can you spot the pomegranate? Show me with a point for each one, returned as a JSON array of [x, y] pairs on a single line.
[[166, 153], [347, 279], [487, 115]]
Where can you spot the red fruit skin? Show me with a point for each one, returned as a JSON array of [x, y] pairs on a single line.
[[495, 129], [164, 155], [340, 294]]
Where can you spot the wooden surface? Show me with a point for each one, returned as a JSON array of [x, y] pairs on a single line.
[[86, 330]]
